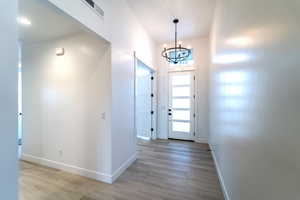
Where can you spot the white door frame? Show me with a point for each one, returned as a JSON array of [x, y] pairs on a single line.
[[20, 102], [192, 135]]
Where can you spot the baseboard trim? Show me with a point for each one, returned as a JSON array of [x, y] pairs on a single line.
[[107, 178], [201, 140], [226, 196], [144, 138], [123, 167]]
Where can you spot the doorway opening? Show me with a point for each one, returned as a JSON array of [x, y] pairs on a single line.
[[181, 111], [145, 109], [64, 93]]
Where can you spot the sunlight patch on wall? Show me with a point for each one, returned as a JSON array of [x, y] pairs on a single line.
[[231, 58]]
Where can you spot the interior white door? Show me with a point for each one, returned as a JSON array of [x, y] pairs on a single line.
[[181, 105], [143, 101]]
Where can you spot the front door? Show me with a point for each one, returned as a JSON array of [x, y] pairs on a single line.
[[181, 105]]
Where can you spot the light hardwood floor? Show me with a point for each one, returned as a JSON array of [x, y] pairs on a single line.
[[164, 170]]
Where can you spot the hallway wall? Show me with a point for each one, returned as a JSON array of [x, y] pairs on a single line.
[[201, 65], [122, 29], [255, 98], [66, 104], [8, 96], [127, 36]]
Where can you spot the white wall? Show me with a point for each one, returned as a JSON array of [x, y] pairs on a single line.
[[122, 29], [201, 65], [65, 99], [127, 36], [255, 98], [8, 96]]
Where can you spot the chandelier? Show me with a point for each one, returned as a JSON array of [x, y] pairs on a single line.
[[177, 53]]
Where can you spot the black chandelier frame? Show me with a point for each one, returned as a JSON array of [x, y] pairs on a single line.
[[177, 53]]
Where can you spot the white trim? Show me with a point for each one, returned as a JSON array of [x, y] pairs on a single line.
[[107, 178], [134, 98], [182, 69], [137, 58], [144, 138], [103, 177], [201, 140], [164, 137], [223, 186], [123, 167]]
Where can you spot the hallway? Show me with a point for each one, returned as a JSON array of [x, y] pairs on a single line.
[[164, 170]]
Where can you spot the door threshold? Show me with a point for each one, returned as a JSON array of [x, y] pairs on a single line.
[[181, 140]]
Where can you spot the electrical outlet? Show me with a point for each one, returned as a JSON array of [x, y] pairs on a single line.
[[60, 152]]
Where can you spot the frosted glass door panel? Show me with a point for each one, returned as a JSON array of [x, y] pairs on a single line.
[[182, 127], [181, 103], [181, 91], [181, 80], [181, 115]]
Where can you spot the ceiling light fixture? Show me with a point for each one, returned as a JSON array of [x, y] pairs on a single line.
[[177, 53], [24, 21]]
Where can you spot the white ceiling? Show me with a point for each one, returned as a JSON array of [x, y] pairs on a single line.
[[48, 22], [156, 16]]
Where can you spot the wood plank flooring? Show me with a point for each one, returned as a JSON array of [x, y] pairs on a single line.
[[164, 170]]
